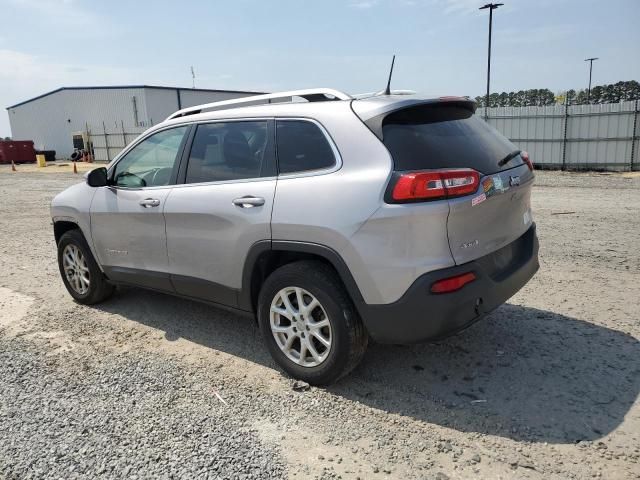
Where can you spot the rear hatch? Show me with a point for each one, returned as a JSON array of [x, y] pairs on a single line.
[[446, 136]]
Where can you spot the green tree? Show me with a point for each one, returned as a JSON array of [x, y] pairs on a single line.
[[614, 93], [548, 98], [580, 98], [597, 95], [629, 90]]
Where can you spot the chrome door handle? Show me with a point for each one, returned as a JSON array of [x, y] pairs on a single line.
[[248, 201], [150, 202]]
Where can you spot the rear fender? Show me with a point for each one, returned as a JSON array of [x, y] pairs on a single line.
[[327, 253]]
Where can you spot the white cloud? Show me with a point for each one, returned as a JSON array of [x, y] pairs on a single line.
[[23, 76], [25, 70], [364, 4], [461, 7], [66, 15], [537, 34]]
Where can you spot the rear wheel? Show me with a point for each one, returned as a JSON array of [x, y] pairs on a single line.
[[80, 273], [309, 323]]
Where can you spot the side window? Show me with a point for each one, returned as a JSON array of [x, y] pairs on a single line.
[[151, 162], [230, 151], [302, 146]]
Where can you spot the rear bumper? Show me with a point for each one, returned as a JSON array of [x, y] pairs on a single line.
[[420, 315]]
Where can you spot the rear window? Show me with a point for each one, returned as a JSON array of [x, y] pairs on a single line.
[[444, 136]]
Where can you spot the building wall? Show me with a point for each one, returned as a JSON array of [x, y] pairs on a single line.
[[189, 98], [162, 102], [50, 121]]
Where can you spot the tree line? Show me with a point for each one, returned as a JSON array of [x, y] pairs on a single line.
[[611, 93]]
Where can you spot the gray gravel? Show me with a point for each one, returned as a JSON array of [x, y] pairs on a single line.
[[152, 386], [130, 416]]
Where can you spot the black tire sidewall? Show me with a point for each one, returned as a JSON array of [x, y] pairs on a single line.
[[331, 300]]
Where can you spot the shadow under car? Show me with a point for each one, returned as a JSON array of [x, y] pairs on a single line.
[[520, 373]]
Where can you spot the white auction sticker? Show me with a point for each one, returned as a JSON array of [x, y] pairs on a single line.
[[497, 182], [479, 199]]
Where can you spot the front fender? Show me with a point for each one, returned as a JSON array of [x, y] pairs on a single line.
[[74, 205]]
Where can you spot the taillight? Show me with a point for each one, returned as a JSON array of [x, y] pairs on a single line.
[[436, 184], [527, 160], [453, 283]]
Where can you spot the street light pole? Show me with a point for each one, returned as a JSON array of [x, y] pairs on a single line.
[[491, 7], [590, 60]]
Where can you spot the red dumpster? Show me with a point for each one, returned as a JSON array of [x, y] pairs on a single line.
[[20, 151]]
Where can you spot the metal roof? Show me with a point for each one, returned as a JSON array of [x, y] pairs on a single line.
[[118, 87]]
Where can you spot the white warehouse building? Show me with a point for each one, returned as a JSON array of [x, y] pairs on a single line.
[[104, 118]]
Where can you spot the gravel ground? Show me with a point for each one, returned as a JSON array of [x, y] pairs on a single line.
[[150, 386]]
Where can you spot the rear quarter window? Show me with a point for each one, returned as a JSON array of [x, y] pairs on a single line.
[[302, 147], [443, 136]]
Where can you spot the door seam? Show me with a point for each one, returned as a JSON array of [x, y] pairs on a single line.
[[166, 238]]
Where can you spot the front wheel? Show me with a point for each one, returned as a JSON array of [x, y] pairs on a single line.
[[80, 273], [309, 323]]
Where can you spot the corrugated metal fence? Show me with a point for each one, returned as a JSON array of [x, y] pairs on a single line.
[[574, 137]]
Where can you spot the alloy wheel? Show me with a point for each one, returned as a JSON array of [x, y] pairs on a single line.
[[300, 326], [76, 269]]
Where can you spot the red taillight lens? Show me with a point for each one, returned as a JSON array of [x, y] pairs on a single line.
[[527, 160], [452, 284], [435, 184]]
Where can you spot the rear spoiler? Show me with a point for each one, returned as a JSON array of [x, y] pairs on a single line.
[[374, 118]]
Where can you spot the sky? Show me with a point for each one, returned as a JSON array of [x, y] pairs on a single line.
[[271, 45]]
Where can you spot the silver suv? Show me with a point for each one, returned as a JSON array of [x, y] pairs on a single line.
[[329, 218]]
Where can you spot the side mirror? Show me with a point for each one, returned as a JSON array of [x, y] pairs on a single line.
[[97, 177]]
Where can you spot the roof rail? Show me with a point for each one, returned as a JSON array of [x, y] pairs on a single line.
[[311, 95], [361, 96]]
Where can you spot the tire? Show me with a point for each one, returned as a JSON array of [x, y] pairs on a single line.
[[98, 288], [348, 337]]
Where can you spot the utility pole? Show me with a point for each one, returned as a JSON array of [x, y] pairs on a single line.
[[590, 60], [491, 7], [193, 78]]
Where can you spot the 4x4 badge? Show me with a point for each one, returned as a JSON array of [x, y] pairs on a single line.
[[514, 180]]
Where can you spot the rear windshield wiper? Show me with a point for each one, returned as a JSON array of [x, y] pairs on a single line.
[[511, 156]]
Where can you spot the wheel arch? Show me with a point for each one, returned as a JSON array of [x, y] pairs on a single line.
[[266, 256], [60, 227]]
